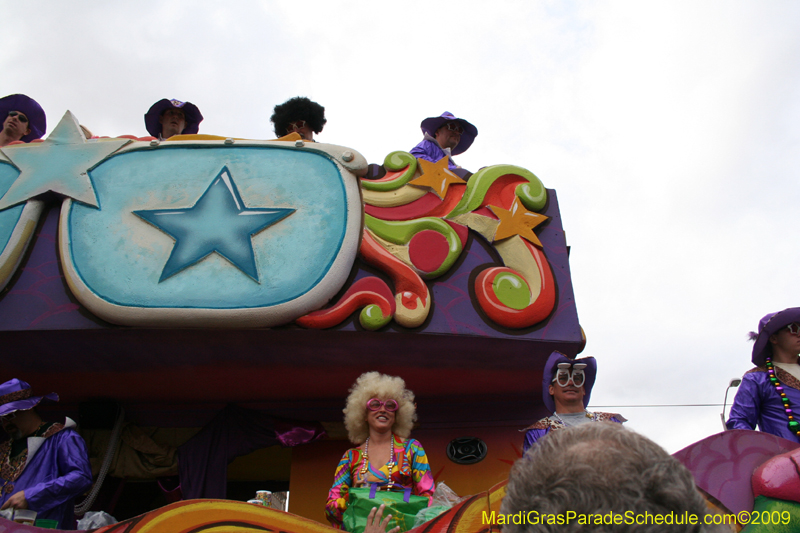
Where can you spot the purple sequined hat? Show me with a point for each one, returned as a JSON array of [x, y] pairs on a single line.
[[767, 326], [431, 124], [16, 395], [550, 371], [190, 111], [37, 121]]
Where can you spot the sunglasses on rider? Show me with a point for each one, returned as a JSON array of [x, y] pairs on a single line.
[[794, 328], [296, 125], [570, 372], [454, 127], [389, 405], [9, 417], [21, 116]]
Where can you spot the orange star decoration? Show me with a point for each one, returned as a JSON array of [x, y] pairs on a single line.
[[436, 176], [517, 221]]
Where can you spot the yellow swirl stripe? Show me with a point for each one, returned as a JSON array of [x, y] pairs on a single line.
[[402, 196], [223, 515]]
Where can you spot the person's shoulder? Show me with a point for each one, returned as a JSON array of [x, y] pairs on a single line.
[[408, 443], [610, 417], [67, 429], [352, 452], [755, 370], [543, 423]]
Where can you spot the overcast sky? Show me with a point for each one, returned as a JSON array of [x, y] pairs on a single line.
[[670, 131]]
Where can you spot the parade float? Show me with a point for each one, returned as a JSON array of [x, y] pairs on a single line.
[[202, 284], [214, 298]]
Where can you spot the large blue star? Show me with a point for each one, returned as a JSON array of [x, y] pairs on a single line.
[[218, 222], [60, 164]]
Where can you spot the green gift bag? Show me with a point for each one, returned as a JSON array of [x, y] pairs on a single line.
[[403, 507]]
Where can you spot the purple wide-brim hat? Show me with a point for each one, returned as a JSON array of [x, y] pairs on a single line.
[[190, 111], [770, 325], [17, 395], [431, 124], [37, 121], [550, 370]]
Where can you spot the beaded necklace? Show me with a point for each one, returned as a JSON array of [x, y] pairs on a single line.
[[365, 463], [794, 425]]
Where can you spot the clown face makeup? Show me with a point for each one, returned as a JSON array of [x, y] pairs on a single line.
[[567, 372]]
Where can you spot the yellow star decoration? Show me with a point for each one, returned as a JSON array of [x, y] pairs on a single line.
[[436, 176], [517, 221]]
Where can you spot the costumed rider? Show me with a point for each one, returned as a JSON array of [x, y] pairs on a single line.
[[299, 115], [379, 415], [167, 118], [770, 393], [44, 466], [566, 388], [23, 119], [444, 136]]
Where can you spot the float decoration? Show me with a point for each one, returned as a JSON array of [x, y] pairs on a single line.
[[414, 235], [202, 232], [165, 234], [233, 516]]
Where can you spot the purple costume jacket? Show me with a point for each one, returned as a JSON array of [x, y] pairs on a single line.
[[758, 403], [431, 151], [546, 425], [56, 472]]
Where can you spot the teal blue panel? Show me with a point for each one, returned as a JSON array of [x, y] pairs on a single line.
[[8, 217], [155, 203]]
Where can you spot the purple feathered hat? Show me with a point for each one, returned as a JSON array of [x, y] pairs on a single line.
[[769, 325], [37, 121], [550, 371], [16, 395], [190, 111], [431, 124]]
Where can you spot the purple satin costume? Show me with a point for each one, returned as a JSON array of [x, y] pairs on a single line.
[[546, 425], [58, 472], [431, 151], [758, 403]]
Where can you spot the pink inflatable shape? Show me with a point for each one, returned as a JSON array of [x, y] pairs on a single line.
[[723, 464], [779, 477]]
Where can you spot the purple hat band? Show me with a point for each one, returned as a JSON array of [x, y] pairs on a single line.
[[549, 372], [190, 111], [37, 121], [431, 124], [769, 325], [16, 395]]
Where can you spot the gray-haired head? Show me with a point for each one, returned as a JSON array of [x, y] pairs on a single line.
[[597, 469]]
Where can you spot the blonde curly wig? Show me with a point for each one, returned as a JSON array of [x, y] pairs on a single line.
[[376, 385]]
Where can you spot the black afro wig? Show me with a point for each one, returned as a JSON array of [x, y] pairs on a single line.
[[298, 108]]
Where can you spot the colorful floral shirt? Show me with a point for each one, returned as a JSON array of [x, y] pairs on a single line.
[[411, 470]]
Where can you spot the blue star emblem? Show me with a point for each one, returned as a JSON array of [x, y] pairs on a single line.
[[60, 164], [219, 222]]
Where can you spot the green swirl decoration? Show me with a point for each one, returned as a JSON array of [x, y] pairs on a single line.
[[372, 318], [533, 195], [402, 231], [511, 290], [394, 162]]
